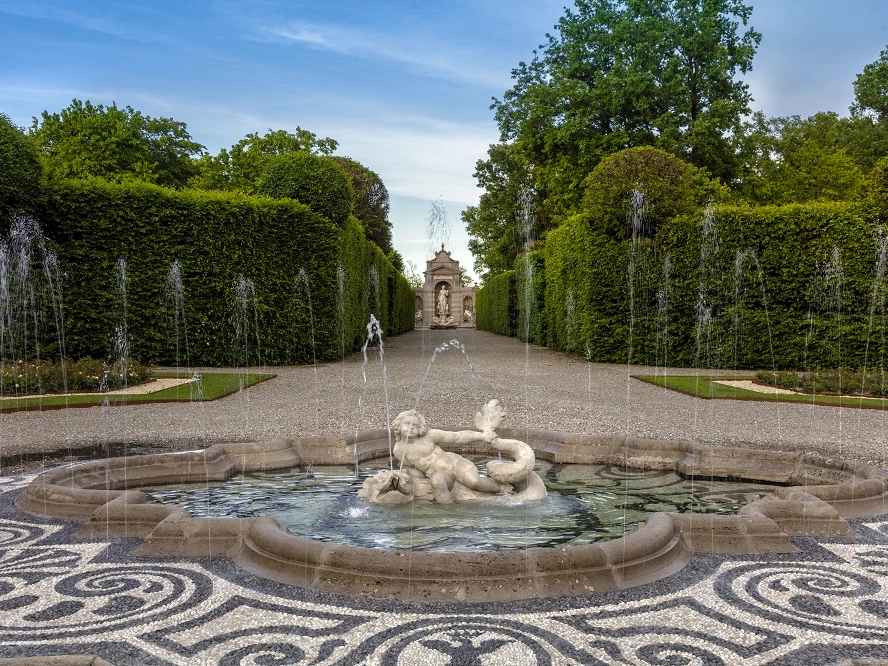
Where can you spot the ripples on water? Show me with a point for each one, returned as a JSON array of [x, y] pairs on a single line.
[[586, 503]]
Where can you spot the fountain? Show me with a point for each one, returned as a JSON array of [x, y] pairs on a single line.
[[816, 498]]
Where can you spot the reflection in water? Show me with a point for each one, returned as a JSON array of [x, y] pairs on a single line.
[[586, 503]]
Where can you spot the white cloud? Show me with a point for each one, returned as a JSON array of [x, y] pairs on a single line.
[[420, 158], [421, 54]]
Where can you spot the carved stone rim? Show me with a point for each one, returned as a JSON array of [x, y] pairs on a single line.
[[816, 497]]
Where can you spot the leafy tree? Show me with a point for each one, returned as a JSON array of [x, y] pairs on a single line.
[[371, 201], [411, 272], [465, 280], [87, 140], [667, 185], [20, 172], [240, 168], [315, 181], [871, 89], [794, 160], [397, 260], [622, 74], [878, 182], [509, 215]]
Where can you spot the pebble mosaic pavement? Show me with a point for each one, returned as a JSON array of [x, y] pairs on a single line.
[[60, 596]]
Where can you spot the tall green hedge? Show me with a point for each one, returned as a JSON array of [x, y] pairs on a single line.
[[496, 305], [530, 284], [21, 175], [289, 255], [777, 287], [786, 287]]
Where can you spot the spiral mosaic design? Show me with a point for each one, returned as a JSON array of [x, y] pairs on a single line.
[[57, 596], [819, 597]]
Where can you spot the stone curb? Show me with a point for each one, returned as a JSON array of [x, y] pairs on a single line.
[[819, 495]]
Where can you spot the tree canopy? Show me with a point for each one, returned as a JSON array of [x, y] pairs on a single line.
[[509, 213], [315, 181], [371, 201], [240, 168], [871, 89], [666, 186], [796, 160], [92, 140], [622, 74]]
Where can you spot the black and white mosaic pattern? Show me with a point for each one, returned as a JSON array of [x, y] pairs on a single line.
[[61, 596]]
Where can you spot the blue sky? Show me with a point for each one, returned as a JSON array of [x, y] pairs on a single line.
[[404, 86]]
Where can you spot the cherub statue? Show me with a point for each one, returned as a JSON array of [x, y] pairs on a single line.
[[429, 472]]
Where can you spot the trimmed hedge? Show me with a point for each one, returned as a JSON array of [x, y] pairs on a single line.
[[530, 284], [786, 287], [773, 287], [285, 255], [496, 305], [21, 174]]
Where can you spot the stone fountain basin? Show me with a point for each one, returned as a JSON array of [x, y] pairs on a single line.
[[816, 496]]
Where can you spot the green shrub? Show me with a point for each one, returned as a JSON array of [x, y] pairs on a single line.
[[86, 374], [315, 181], [667, 183], [777, 287], [530, 297], [840, 381]]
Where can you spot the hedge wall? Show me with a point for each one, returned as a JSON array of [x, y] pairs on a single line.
[[250, 266], [778, 287], [530, 284], [496, 308], [785, 287]]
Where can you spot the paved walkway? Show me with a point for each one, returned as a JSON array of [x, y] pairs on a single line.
[[60, 596]]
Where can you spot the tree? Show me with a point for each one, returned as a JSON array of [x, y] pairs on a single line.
[[20, 172], [240, 168], [665, 186], [412, 274], [509, 215], [87, 140], [465, 280], [622, 74], [371, 201], [871, 89], [315, 181], [794, 160], [878, 182]]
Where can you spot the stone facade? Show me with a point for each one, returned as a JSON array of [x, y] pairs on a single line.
[[442, 301]]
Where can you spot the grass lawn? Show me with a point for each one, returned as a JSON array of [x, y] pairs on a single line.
[[211, 386], [705, 386]]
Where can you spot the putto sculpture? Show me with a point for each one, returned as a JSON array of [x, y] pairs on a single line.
[[427, 472]]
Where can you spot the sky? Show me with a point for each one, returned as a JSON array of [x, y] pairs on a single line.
[[404, 86]]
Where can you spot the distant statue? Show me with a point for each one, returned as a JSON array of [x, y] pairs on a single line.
[[428, 472], [467, 316], [443, 308], [418, 316]]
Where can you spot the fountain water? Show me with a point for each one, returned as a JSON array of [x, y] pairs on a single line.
[[119, 354], [31, 318]]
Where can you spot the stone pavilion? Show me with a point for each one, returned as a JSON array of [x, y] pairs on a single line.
[[442, 301]]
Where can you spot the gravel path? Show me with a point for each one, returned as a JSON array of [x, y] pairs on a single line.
[[540, 389]]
